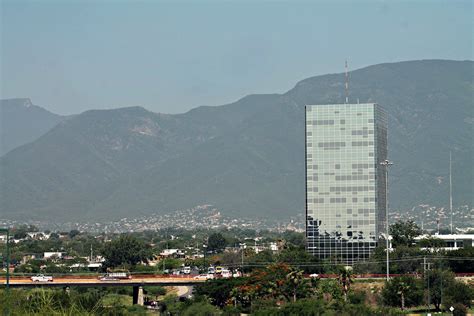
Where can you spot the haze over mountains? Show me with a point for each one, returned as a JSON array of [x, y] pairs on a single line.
[[22, 122], [246, 158]]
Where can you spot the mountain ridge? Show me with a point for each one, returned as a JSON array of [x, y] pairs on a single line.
[[245, 157]]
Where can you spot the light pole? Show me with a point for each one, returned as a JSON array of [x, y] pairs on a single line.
[[386, 163], [242, 265], [204, 250]]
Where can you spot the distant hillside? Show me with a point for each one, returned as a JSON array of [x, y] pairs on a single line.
[[247, 158], [22, 122]]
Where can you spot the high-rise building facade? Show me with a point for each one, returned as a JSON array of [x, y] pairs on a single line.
[[345, 183]]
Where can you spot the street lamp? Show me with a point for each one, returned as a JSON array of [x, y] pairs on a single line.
[[386, 163], [6, 230], [242, 265], [204, 250]]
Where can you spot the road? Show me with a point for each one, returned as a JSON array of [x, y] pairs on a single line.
[[94, 281]]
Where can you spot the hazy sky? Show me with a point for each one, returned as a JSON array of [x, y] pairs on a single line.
[[171, 56]]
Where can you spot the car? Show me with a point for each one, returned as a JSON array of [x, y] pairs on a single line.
[[226, 273], [211, 270], [201, 277], [219, 270], [314, 275], [41, 278]]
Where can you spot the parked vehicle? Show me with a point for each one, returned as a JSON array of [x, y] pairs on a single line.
[[187, 270], [211, 270], [201, 277], [41, 278], [219, 270], [226, 273]]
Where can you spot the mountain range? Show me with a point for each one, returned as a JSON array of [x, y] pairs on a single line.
[[246, 158]]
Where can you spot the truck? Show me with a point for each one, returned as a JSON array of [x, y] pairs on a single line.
[[187, 270], [41, 278]]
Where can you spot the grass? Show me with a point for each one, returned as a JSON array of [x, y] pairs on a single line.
[[117, 300]]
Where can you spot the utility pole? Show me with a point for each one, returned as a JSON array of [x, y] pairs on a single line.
[[426, 267], [386, 163], [242, 263]]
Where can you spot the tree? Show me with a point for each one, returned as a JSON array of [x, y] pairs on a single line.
[[296, 282], [438, 281], [461, 265], [296, 256], [402, 292], [404, 233], [231, 259], [73, 233], [219, 291], [216, 242], [126, 250], [345, 280], [432, 242], [458, 293]]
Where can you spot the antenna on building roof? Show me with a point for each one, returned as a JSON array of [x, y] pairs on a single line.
[[347, 84]]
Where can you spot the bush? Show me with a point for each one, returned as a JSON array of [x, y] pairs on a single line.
[[357, 297], [402, 292], [458, 293], [459, 310]]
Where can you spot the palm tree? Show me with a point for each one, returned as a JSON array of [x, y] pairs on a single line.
[[345, 280], [296, 281], [403, 289]]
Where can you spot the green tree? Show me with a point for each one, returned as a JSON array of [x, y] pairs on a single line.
[[404, 233], [73, 233], [127, 250], [216, 242], [461, 265], [402, 292], [458, 293], [296, 283], [438, 281], [298, 257], [219, 291], [432, 242]]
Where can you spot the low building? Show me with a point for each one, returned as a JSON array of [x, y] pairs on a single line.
[[452, 241], [53, 255], [174, 253]]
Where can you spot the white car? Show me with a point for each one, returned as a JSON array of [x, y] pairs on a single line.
[[226, 273], [41, 278], [314, 275], [201, 277]]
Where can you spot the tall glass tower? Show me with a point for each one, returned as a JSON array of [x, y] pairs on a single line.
[[345, 184]]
